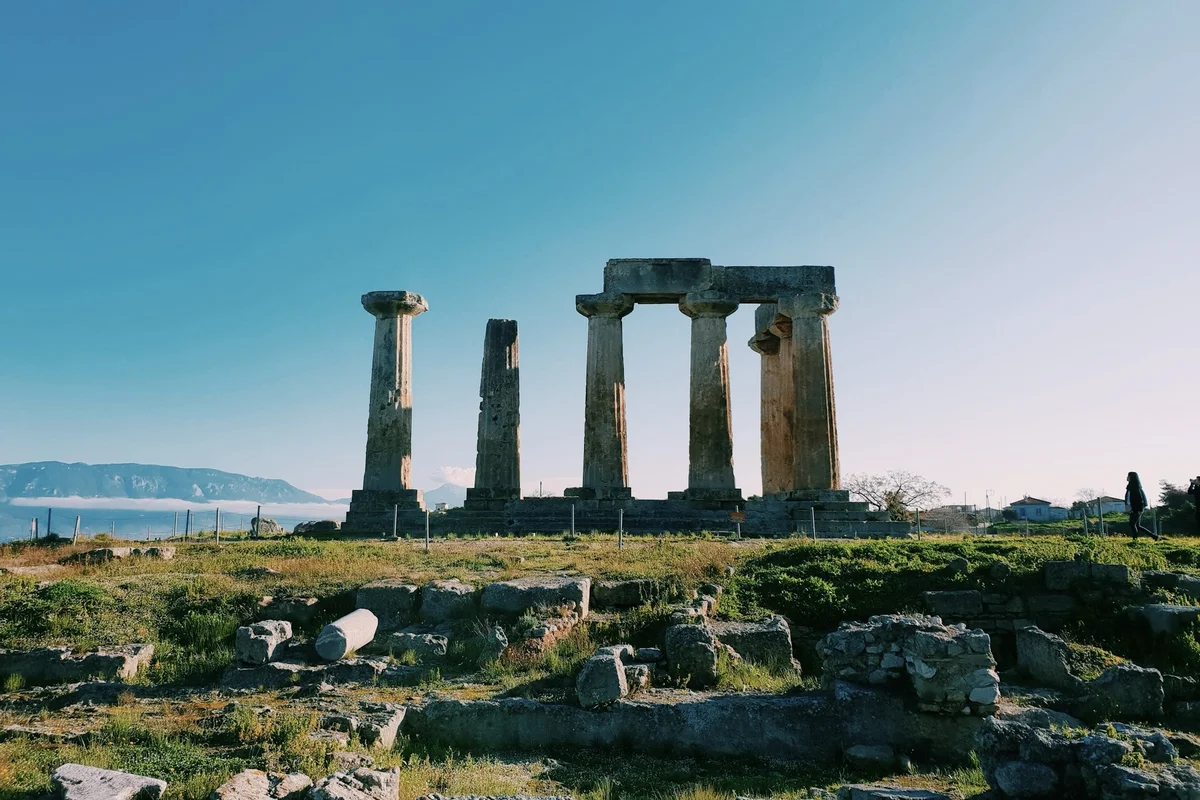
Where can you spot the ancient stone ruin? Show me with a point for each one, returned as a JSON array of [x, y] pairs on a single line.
[[799, 453]]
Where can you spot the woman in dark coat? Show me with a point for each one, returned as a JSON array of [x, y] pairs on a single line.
[[1135, 501]]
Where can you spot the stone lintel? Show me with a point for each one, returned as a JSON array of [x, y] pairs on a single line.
[[666, 280], [394, 303]]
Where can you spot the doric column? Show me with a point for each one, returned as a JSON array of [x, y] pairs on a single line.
[[605, 459], [815, 423], [498, 456], [710, 444], [773, 341], [389, 421]]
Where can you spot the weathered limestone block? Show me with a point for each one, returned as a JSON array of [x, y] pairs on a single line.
[[498, 453], [444, 600], [266, 527], [427, 648], [392, 600], [158, 553], [517, 596], [637, 677], [768, 643], [282, 674], [61, 665], [601, 681], [876, 758], [1125, 691], [389, 421], [956, 603], [495, 642], [317, 526], [693, 653], [296, 610], [262, 641], [1044, 657], [101, 555], [1168, 619], [346, 635], [254, 784], [623, 594], [858, 791], [361, 784], [79, 782], [379, 726]]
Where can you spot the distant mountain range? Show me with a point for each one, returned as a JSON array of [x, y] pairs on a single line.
[[453, 496], [142, 481]]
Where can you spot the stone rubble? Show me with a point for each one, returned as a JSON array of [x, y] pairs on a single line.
[[515, 597], [359, 784], [254, 784], [393, 601], [62, 665], [768, 643], [444, 600], [951, 669]]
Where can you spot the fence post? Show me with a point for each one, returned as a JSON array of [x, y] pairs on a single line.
[[739, 522], [572, 519], [427, 530], [147, 533], [257, 522], [812, 521], [395, 519], [75, 535], [217, 527], [49, 516], [918, 523], [33, 526], [187, 525], [620, 528], [175, 526]]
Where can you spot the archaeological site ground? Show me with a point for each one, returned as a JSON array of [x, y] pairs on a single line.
[[675, 666]]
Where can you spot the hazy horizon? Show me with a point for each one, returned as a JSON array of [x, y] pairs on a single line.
[[195, 198]]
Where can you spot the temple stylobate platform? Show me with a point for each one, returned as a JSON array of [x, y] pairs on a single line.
[[799, 452]]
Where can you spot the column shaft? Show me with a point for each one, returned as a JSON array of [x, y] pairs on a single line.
[[815, 425], [498, 456], [389, 418], [710, 441], [605, 454]]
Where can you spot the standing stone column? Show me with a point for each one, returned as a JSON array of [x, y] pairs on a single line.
[[778, 398], [710, 444], [605, 458], [815, 424], [389, 421], [498, 455]]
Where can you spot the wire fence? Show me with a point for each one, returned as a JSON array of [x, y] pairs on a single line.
[[198, 524]]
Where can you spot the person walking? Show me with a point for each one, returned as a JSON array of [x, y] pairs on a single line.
[[1194, 491], [1135, 501]]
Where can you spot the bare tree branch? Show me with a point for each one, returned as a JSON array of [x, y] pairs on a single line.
[[896, 487]]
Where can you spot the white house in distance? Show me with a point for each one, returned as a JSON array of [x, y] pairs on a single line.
[[1034, 510], [1108, 505]]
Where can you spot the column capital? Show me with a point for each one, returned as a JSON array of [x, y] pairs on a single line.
[[383, 305], [708, 304], [765, 343], [604, 305], [819, 303]]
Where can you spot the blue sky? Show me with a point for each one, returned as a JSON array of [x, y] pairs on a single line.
[[193, 197]]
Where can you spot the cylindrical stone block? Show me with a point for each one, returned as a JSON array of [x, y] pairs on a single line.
[[605, 454], [389, 420], [710, 444], [773, 341], [498, 455], [815, 453], [352, 632]]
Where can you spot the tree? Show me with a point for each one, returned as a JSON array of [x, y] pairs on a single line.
[[896, 491], [1176, 508]]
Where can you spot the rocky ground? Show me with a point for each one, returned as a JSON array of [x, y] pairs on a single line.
[[677, 667]]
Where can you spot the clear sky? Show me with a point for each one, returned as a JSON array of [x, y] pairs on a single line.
[[194, 196]]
